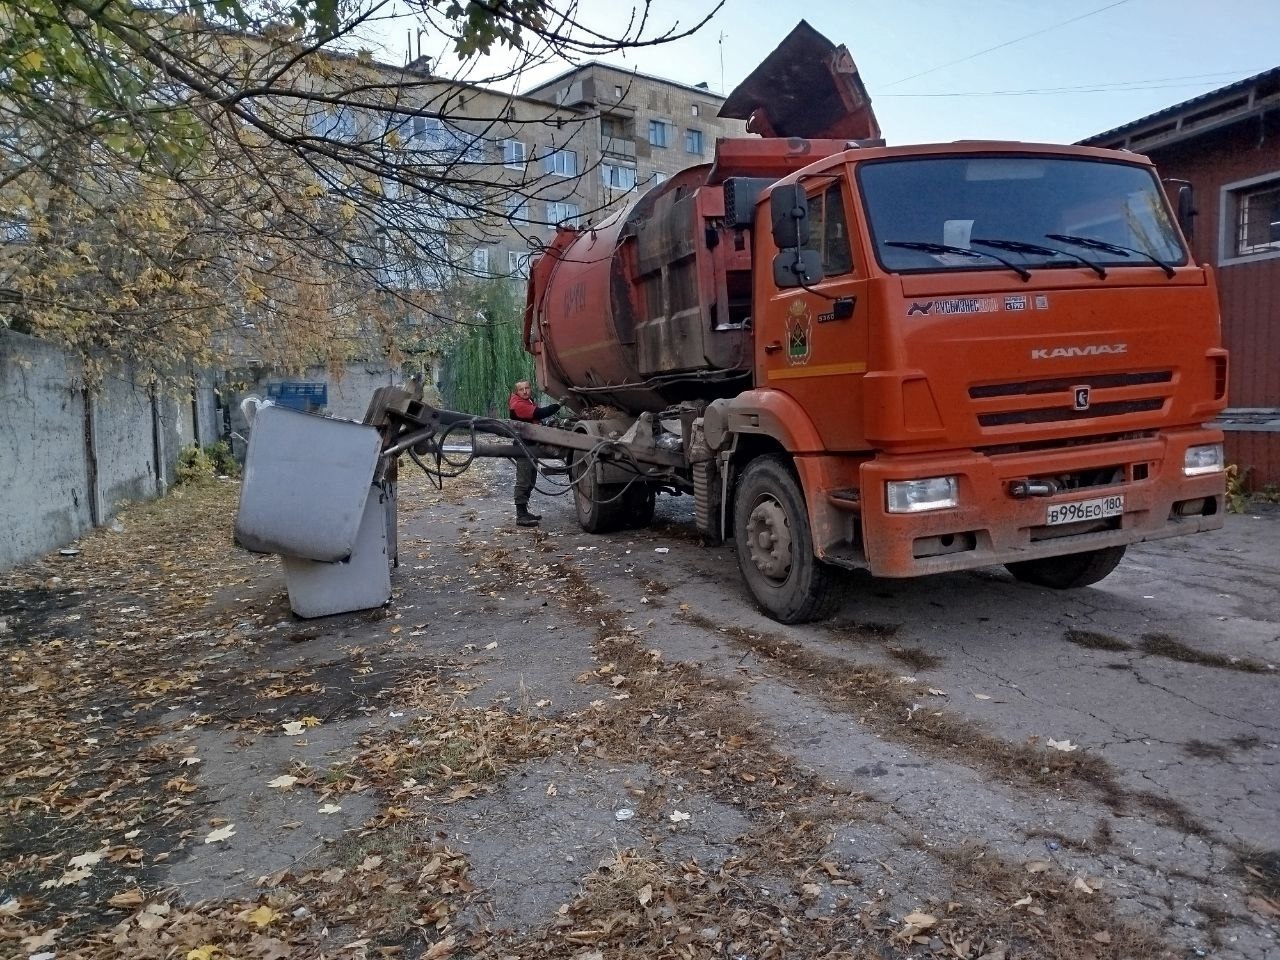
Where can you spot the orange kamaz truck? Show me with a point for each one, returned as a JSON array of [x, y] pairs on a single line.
[[906, 359]]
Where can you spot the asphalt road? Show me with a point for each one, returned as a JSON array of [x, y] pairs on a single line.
[[1163, 675], [620, 751]]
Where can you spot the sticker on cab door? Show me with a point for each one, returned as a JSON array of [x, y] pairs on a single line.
[[799, 333], [954, 305]]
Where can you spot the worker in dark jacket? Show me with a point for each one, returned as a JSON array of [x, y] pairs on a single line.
[[522, 407]]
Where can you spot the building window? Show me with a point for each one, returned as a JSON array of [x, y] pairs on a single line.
[[693, 110], [617, 93], [659, 133], [518, 264], [693, 141], [1251, 212], [617, 177], [517, 207], [563, 163], [562, 211], [513, 154], [333, 123], [659, 177], [480, 261]]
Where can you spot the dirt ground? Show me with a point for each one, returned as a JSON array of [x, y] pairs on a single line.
[[557, 745]]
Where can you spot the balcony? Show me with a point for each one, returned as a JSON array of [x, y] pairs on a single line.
[[618, 147]]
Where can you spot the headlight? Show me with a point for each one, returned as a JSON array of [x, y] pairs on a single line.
[[914, 496], [1206, 458]]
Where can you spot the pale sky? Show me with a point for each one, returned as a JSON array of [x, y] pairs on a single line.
[[1062, 71]]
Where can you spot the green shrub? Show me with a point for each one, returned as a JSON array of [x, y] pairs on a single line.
[[194, 466], [224, 463]]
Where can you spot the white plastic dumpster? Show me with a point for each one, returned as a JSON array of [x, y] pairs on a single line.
[[308, 495]]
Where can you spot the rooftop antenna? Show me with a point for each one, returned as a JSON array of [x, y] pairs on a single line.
[[721, 42]]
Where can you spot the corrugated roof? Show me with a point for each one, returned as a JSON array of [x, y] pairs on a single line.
[[1185, 107]]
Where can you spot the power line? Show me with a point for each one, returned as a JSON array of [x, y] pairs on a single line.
[[1008, 43], [1121, 86]]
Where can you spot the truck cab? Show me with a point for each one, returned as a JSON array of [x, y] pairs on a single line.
[[972, 354]]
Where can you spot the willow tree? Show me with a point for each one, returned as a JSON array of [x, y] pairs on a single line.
[[184, 181], [485, 355]]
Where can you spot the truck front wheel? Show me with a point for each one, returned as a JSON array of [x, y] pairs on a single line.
[[775, 547], [1070, 571]]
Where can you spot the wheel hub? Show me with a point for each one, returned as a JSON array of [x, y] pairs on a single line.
[[769, 539]]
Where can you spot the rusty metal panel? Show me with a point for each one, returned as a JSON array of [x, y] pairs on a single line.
[[808, 87]]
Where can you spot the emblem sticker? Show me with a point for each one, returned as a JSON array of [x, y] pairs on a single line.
[[1080, 398], [1015, 303], [799, 333], [1042, 301], [953, 306]]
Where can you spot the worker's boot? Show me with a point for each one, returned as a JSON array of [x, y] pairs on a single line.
[[524, 518]]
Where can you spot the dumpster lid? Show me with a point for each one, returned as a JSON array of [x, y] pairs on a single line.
[[808, 87]]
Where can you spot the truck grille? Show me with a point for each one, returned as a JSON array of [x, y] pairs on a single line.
[[1098, 381], [1103, 401]]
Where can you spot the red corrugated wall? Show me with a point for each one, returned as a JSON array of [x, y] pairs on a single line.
[[1249, 292]]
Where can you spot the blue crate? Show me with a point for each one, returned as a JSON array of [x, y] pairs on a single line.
[[306, 396]]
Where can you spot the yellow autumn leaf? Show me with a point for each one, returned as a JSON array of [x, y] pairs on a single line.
[[206, 952], [262, 916], [311, 721], [31, 60]]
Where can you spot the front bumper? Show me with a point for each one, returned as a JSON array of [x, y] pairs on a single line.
[[990, 526]]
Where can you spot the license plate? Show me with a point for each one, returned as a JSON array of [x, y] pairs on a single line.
[[1095, 509]]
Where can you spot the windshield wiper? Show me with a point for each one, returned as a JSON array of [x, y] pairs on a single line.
[[927, 247], [1095, 244], [1021, 246]]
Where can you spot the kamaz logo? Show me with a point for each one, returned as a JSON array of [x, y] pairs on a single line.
[[1093, 350]]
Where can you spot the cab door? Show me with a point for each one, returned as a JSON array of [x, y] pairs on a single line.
[[814, 341]]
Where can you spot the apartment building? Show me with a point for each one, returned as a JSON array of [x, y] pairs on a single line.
[[632, 132]]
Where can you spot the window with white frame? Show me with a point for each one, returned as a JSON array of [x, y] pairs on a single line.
[[1251, 218], [562, 211], [480, 261], [517, 264], [562, 162], [333, 122], [658, 177], [694, 111], [517, 208], [659, 133], [693, 141], [616, 176], [513, 154]]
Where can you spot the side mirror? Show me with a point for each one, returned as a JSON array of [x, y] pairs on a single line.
[[1186, 205], [789, 212], [797, 268], [1186, 210]]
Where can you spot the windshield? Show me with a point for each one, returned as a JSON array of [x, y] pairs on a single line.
[[994, 212]]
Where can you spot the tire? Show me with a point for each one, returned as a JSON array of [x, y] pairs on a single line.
[[638, 504], [775, 547], [599, 508], [1070, 571]]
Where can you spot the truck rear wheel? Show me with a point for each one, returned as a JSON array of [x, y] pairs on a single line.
[[599, 507], [775, 547], [1070, 571]]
